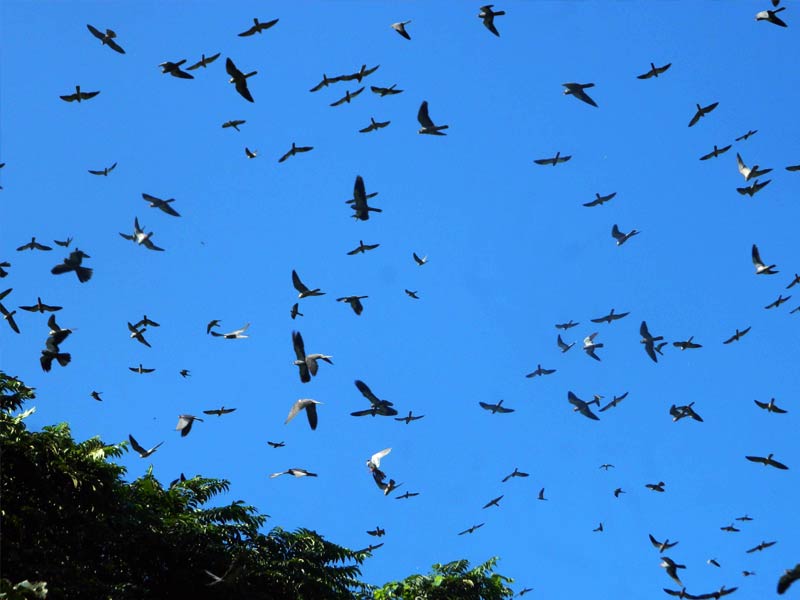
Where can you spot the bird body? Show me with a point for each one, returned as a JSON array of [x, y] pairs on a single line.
[[576, 90]]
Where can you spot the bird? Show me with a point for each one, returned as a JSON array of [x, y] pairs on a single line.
[[648, 341], [50, 353], [377, 532], [184, 373], [744, 137], [295, 311], [106, 38], [185, 423], [730, 528], [494, 502], [771, 16], [57, 334], [598, 528], [428, 126], [276, 444], [768, 461], [487, 15], [744, 518], [204, 62], [258, 27], [307, 363], [617, 492], [495, 408], [354, 302], [770, 406], [219, 411], [761, 268], [622, 237], [687, 345], [374, 125], [174, 69], [788, 578], [211, 324], [568, 325], [368, 549], [34, 245], [348, 96], [553, 160], [305, 292], [760, 547], [583, 407], [714, 562], [234, 123], [9, 318], [716, 152], [401, 28], [140, 237], [143, 452], [326, 81], [794, 281], [163, 205], [39, 307], [386, 488], [778, 302], [418, 260], [362, 248], [384, 91], [749, 172], [360, 74], [614, 402], [409, 418], [737, 336], [412, 294], [374, 461], [541, 495], [104, 172], [138, 334], [655, 487], [359, 200], [589, 346], [377, 406], [717, 594], [671, 567], [294, 150], [702, 111], [63, 243], [140, 369], [239, 79], [752, 189], [793, 168], [237, 334], [74, 263], [515, 473], [250, 153], [576, 91], [96, 395], [3, 266], [654, 71], [407, 495], [748, 573], [681, 593], [610, 317], [540, 372], [661, 546], [600, 199], [144, 321], [294, 473], [606, 466], [681, 412], [524, 591], [471, 529], [562, 345], [79, 96], [310, 406]]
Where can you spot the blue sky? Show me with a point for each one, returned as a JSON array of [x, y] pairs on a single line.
[[512, 252]]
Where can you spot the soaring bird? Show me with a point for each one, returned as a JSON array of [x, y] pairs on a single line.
[[554, 160], [140, 370], [737, 336], [583, 407], [362, 248], [744, 137], [374, 125], [354, 302], [305, 292], [749, 172], [539, 372], [671, 567], [140, 237], [258, 27], [515, 473], [409, 418], [622, 237], [600, 199], [74, 263], [471, 529], [771, 16], [788, 578], [494, 502], [237, 334], [487, 15], [730, 528], [295, 312], [702, 111], [655, 487], [563, 346], [234, 123], [648, 340], [9, 318], [143, 452], [39, 307], [250, 153], [589, 346], [65, 243], [348, 96], [495, 408], [185, 423], [687, 345], [614, 402], [174, 69], [104, 172], [752, 189], [360, 74], [716, 152], [276, 444], [294, 473], [138, 334], [326, 81], [428, 126], [239, 79], [34, 245], [294, 150], [204, 61], [374, 461], [610, 317], [385, 91], [778, 302], [219, 411], [761, 268], [768, 461], [412, 294], [576, 91], [541, 495], [359, 201], [377, 532], [106, 38], [654, 71], [79, 96], [761, 546], [681, 412], [661, 546], [377, 406], [568, 325], [792, 283], [770, 406], [307, 363], [401, 28], [163, 205]]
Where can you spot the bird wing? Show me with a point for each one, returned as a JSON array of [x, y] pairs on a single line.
[[423, 117], [299, 286], [114, 46]]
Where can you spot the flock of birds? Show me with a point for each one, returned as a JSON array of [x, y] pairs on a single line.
[[308, 364]]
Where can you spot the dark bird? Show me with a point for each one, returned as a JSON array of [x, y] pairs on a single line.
[[760, 547], [3, 266], [742, 138], [104, 171], [788, 578], [174, 69], [50, 353], [793, 168], [63, 243], [234, 124], [655, 487], [9, 318], [360, 74], [617, 492], [354, 302], [471, 529], [778, 302], [184, 373], [377, 532], [73, 263], [407, 495], [140, 370], [753, 188], [661, 546], [326, 81], [294, 473], [487, 15], [307, 404], [57, 334], [383, 91], [79, 96], [219, 411], [140, 237], [39, 307], [589, 346], [276, 444], [730, 528], [648, 340], [681, 412], [614, 402], [562, 345], [748, 573], [654, 71], [211, 324], [204, 62], [239, 79], [250, 153], [143, 452], [368, 549], [671, 567], [107, 38], [716, 152], [541, 495], [771, 16], [348, 96], [737, 336], [540, 371], [237, 334], [359, 201], [494, 502], [610, 317], [770, 406], [744, 518], [718, 594], [598, 528], [163, 205], [418, 260], [749, 172], [495, 408], [428, 127], [714, 562], [553, 160], [294, 150], [409, 418], [258, 27], [515, 473], [185, 423], [295, 312], [702, 112], [374, 125], [412, 294], [138, 334], [378, 406], [305, 292], [401, 28], [794, 281], [768, 461], [576, 90], [622, 237], [144, 321], [600, 199], [34, 245], [307, 363], [582, 406], [566, 326], [687, 345], [362, 248], [96, 396], [607, 466]]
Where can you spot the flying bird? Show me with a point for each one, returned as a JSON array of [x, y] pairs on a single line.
[[495, 408], [374, 125], [237, 334], [760, 547], [566, 326], [295, 311], [250, 153], [184, 373], [540, 372], [716, 152], [294, 150], [599, 199], [378, 406], [541, 495], [384, 91], [377, 532], [671, 567], [143, 452], [589, 346], [737, 336], [140, 237], [39, 307], [428, 127], [749, 172], [494, 502], [648, 340], [401, 28], [354, 302], [360, 74], [752, 189], [471, 529], [409, 418], [788, 578], [74, 263], [174, 69], [276, 444], [239, 79], [487, 15], [599, 528], [374, 461], [185, 423], [515, 473], [140, 370], [562, 345], [359, 201], [744, 137], [771, 16], [770, 406], [702, 112], [553, 160], [294, 473], [204, 62], [211, 324], [622, 237], [681, 412], [307, 363], [406, 496], [610, 317], [9, 318], [768, 461], [614, 402], [778, 302], [50, 353], [730, 528], [687, 345], [655, 487], [744, 518], [79, 96], [326, 81], [661, 546], [362, 248], [606, 466], [654, 71], [138, 334], [233, 124], [96, 396], [219, 411], [106, 38], [582, 406], [163, 205], [34, 245], [57, 334], [418, 260], [63, 243], [576, 90], [104, 172], [258, 27], [310, 406], [305, 292], [348, 96], [761, 268], [714, 562]]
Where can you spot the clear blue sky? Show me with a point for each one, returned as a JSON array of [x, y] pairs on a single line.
[[512, 252]]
